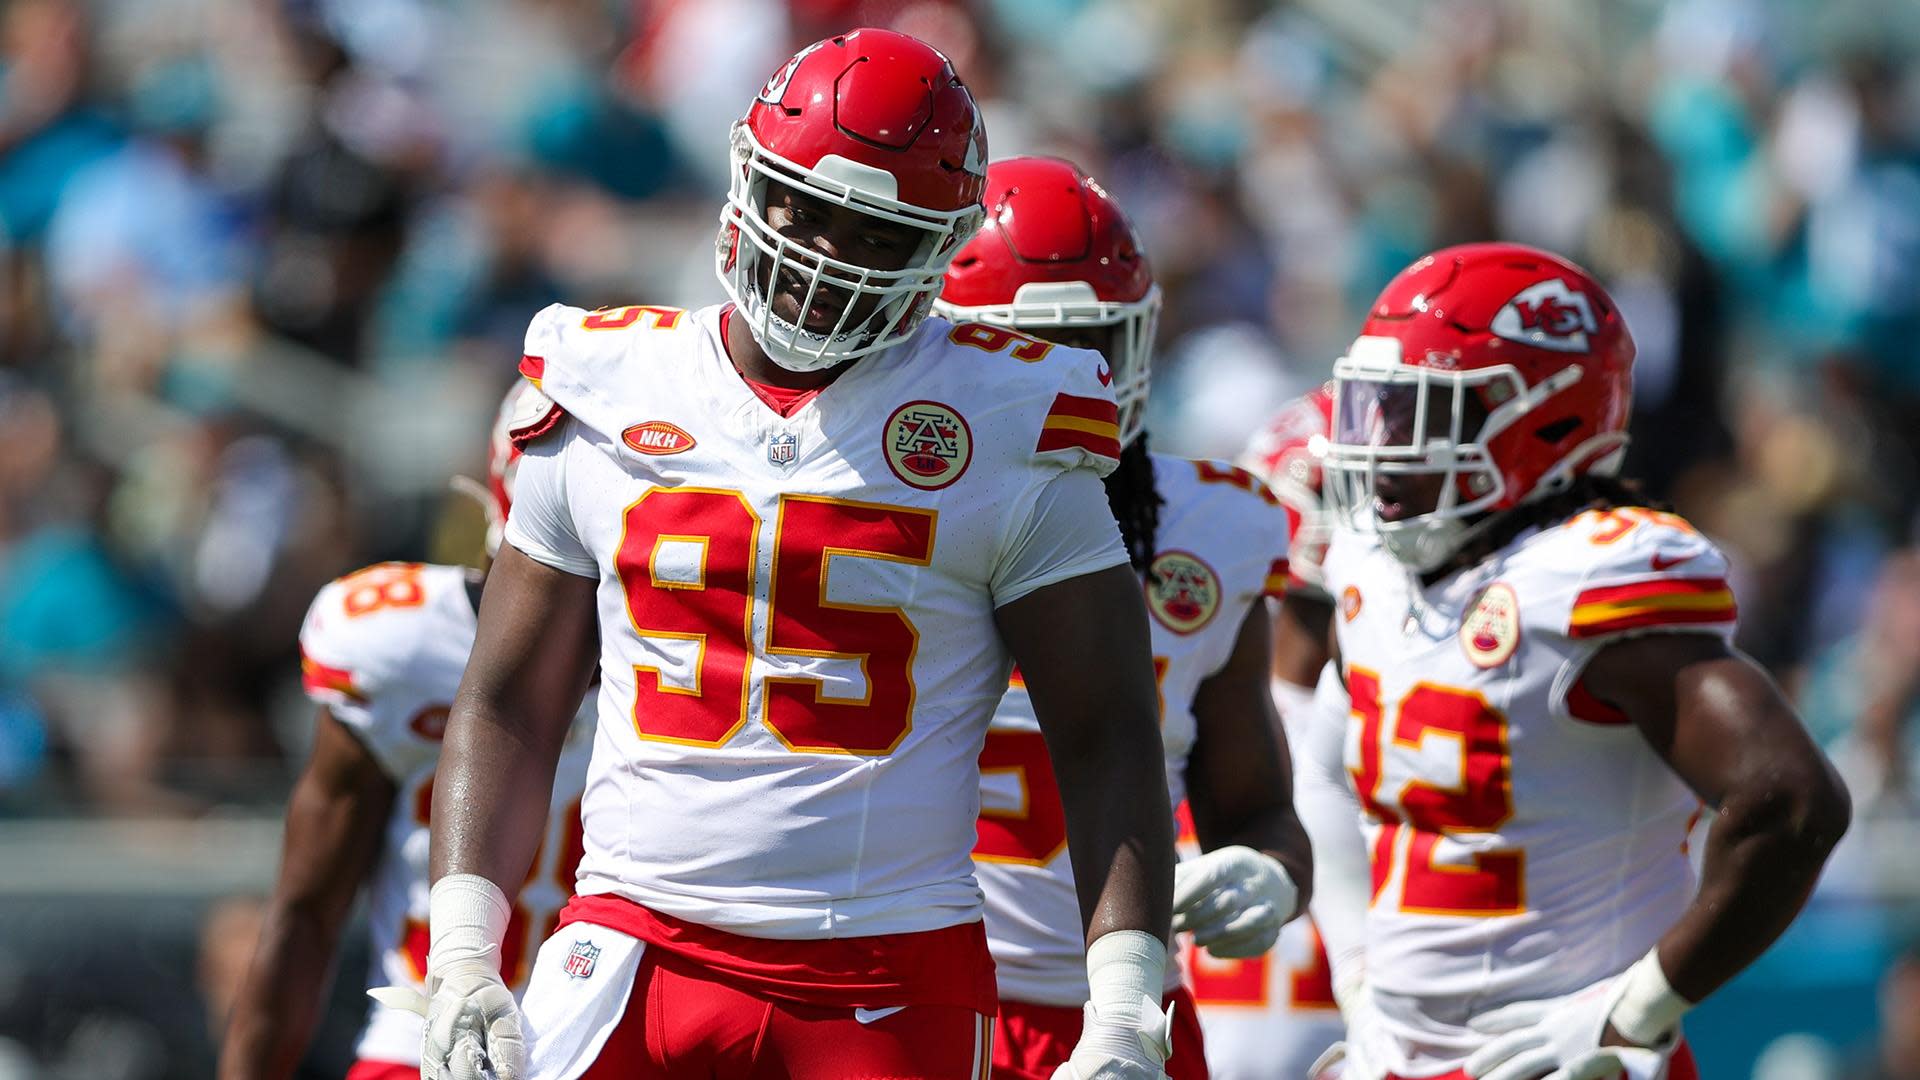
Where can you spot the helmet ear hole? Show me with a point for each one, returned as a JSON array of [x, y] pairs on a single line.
[[1558, 430]]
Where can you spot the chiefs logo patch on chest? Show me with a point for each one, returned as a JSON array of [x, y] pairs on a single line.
[[1491, 631], [1184, 592], [928, 445]]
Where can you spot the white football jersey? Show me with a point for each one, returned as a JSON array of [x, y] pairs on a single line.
[[1267, 1017], [799, 657], [1525, 840], [1221, 546], [383, 649]]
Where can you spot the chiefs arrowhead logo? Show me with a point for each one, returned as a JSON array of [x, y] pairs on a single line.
[[657, 437], [1183, 592], [927, 444], [1350, 603], [1547, 315], [1105, 375]]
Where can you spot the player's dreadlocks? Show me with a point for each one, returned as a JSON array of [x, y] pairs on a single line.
[[1135, 502], [1588, 491]]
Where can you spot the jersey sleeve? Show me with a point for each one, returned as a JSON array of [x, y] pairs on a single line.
[[1646, 572], [352, 655], [1081, 427], [540, 524], [1067, 531], [574, 356]]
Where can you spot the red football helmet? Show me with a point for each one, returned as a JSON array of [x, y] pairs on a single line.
[[1056, 252], [1286, 455], [522, 404], [876, 121], [1502, 368]]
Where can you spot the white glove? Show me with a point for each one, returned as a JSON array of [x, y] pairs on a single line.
[[1559, 1039], [1125, 1036], [473, 1026], [1343, 1061], [1234, 900], [1347, 1060]]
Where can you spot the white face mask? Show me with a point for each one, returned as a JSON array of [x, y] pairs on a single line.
[[754, 261]]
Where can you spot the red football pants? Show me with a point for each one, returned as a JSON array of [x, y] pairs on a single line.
[[1682, 1067], [679, 1023], [382, 1070], [1030, 1041]]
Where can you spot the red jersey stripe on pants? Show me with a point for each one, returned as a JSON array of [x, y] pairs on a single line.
[[1030, 1041], [682, 1023], [383, 1070], [1682, 1067]]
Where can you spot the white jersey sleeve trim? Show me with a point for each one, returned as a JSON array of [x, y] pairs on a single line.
[[1068, 531], [541, 522]]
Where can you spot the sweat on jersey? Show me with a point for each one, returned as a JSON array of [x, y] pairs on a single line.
[[1525, 840], [383, 649], [798, 652]]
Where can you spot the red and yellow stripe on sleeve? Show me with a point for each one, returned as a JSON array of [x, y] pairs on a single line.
[[1083, 423], [533, 369], [1277, 578], [1612, 609], [316, 677]]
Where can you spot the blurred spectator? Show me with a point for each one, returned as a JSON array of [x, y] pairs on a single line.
[[1897, 1057]]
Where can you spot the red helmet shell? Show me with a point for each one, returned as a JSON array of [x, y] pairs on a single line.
[[882, 99], [1047, 221], [1479, 306]]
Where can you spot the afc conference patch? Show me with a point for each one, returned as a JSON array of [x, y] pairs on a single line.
[[581, 960]]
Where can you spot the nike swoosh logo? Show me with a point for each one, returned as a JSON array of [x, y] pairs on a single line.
[[1663, 562], [1105, 375], [874, 1016]]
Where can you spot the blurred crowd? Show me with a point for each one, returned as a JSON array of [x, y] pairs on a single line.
[[265, 264]]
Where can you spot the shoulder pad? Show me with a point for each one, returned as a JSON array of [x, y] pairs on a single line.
[[1642, 570], [361, 628], [573, 355], [1081, 426]]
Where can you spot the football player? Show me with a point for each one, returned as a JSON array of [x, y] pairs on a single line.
[[1269, 1017], [381, 655], [806, 533], [1542, 695], [1057, 261]]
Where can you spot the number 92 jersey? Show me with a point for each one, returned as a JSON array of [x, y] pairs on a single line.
[[1525, 840], [798, 650]]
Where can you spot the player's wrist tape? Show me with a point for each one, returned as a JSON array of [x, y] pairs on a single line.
[[1122, 967], [1648, 1007], [466, 920]]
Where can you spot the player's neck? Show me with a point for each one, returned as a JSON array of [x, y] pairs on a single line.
[[753, 363]]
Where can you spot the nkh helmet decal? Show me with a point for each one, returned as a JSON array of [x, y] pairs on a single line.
[[1287, 455], [1501, 370], [874, 121], [1057, 254]]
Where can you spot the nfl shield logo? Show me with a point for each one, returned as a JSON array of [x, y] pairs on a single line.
[[580, 960], [783, 448]]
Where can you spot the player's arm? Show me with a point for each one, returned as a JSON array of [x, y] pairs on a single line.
[[1301, 628], [1258, 870], [1082, 647], [1725, 729], [531, 660], [335, 818]]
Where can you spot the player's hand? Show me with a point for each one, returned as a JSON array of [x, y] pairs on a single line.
[[1234, 901], [473, 1026], [1344, 1061], [1122, 1046], [1563, 1039]]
